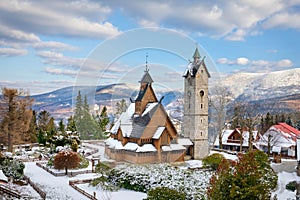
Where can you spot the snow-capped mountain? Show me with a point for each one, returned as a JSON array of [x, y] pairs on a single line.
[[259, 86]]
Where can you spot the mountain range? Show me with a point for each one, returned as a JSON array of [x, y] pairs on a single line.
[[275, 92]]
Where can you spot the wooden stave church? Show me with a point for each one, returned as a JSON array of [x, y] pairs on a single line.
[[144, 133]]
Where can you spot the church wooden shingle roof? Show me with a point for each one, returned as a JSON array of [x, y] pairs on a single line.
[[146, 78]]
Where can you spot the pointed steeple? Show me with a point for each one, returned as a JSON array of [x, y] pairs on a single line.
[[146, 78], [196, 55]]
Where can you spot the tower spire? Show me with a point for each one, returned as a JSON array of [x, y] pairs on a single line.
[[196, 55], [147, 69]]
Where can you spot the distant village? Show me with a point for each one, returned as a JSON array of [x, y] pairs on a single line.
[[142, 132]]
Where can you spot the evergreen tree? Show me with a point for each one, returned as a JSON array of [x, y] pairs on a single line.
[[251, 177], [71, 126], [282, 118], [103, 119], [43, 120], [298, 125], [33, 128], [121, 107], [276, 119], [61, 126], [289, 121], [46, 127], [86, 125]]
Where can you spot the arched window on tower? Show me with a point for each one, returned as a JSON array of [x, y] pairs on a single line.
[[201, 96]]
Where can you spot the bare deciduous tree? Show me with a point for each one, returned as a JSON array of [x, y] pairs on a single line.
[[16, 116], [219, 101]]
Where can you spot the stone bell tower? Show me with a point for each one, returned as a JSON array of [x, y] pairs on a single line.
[[195, 120]]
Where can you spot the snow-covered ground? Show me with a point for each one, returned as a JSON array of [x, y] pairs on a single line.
[[116, 195], [58, 187], [55, 187]]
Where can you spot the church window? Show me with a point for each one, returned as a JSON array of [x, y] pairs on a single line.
[[201, 93], [201, 120], [201, 133], [201, 105]]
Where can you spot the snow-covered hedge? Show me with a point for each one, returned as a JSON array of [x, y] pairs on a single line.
[[145, 177]]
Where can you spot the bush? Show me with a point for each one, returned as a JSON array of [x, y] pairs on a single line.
[[213, 160], [13, 168], [251, 177], [66, 160], [164, 193], [291, 186], [84, 163]]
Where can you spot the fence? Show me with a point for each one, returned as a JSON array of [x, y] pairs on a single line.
[[73, 185], [62, 173], [9, 192], [35, 187]]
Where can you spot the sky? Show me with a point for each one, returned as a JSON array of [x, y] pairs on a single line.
[[47, 45]]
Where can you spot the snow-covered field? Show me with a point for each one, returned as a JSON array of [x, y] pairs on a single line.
[[58, 187]]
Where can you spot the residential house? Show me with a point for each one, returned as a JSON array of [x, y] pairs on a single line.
[[281, 139], [235, 139]]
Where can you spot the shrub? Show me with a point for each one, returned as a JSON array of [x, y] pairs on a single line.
[[13, 168], [251, 177], [84, 163], [66, 160], [291, 186], [164, 193], [74, 145], [213, 161]]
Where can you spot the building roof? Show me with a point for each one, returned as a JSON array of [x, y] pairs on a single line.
[[288, 130], [282, 135], [133, 125], [196, 54], [193, 67], [141, 93], [228, 133], [146, 78]]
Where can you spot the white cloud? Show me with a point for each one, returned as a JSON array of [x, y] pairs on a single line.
[[231, 19], [53, 45], [57, 71], [68, 18], [237, 35], [242, 61], [257, 65], [12, 52]]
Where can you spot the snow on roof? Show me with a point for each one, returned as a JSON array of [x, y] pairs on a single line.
[[225, 134], [146, 148], [158, 132], [119, 145], [125, 121], [131, 146], [177, 147], [184, 141], [149, 107], [112, 143], [276, 149], [3, 177], [166, 148]]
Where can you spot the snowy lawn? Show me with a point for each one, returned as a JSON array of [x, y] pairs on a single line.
[[115, 195], [144, 177], [55, 187]]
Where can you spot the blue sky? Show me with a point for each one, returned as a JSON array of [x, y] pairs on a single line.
[[45, 45]]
